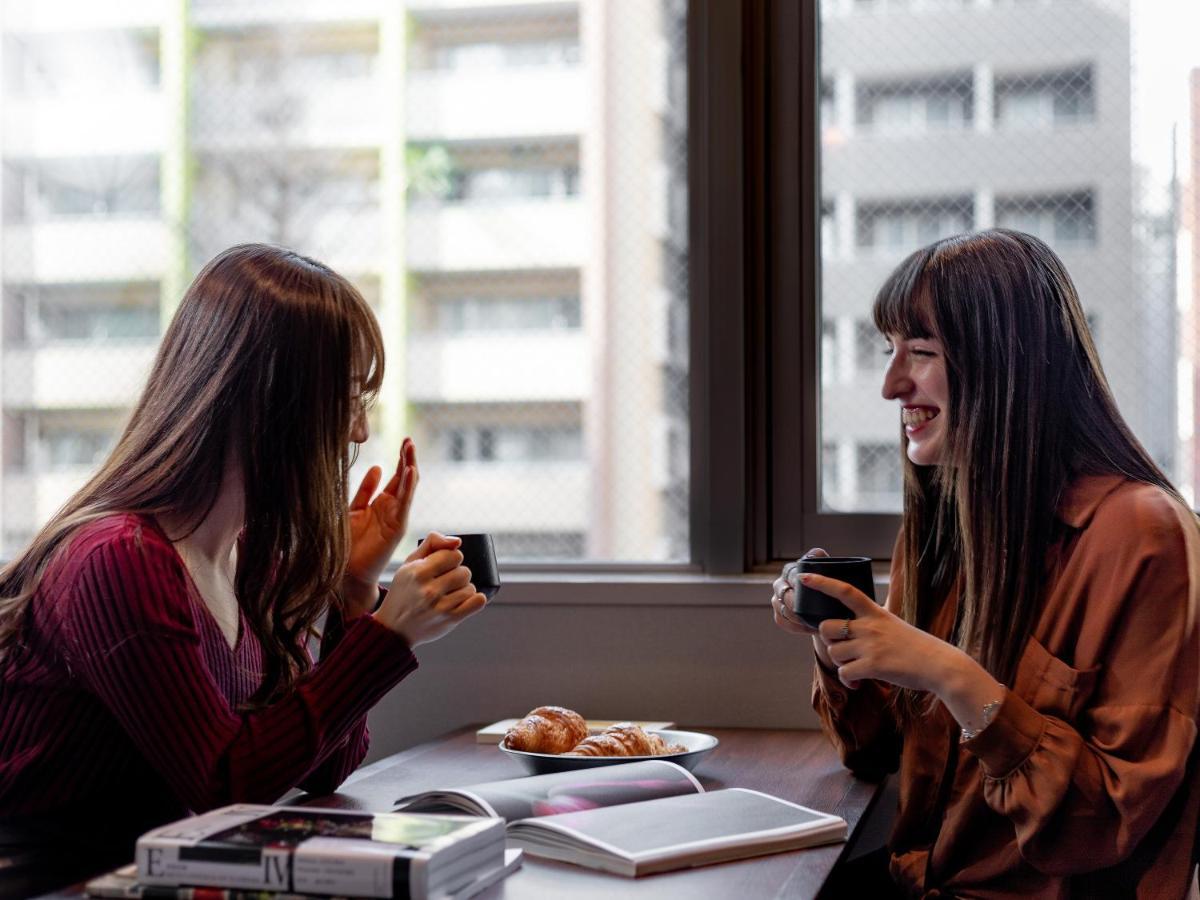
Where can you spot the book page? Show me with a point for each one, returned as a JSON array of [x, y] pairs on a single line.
[[685, 829], [578, 789]]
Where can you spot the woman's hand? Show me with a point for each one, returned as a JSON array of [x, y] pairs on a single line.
[[783, 589], [376, 528], [431, 593]]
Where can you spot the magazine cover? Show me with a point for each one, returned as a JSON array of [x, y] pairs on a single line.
[[319, 851]]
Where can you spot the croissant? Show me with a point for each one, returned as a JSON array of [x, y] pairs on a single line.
[[624, 739], [547, 729]]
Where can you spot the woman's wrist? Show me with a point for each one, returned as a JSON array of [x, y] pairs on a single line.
[[360, 596], [969, 693]]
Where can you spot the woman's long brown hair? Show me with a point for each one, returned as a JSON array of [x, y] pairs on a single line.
[[262, 360], [1029, 411]]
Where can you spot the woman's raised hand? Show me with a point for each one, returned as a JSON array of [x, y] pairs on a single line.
[[377, 525], [431, 593]]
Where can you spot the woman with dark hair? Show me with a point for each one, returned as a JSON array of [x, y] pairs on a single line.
[[154, 637], [1035, 671]]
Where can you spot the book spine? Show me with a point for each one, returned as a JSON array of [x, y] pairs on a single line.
[[265, 869]]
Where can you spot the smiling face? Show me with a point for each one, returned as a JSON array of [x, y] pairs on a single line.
[[916, 379]]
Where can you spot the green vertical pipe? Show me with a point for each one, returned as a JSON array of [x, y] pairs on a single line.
[[175, 166], [393, 280]]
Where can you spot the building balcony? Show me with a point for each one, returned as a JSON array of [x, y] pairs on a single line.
[[329, 115], [32, 16], [525, 496], [90, 249], [516, 234], [498, 368], [121, 123], [76, 375], [482, 104]]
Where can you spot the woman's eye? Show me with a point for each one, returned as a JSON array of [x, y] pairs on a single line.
[[922, 352], [889, 350]]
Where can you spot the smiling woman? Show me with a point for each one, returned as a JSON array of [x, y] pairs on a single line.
[[1044, 606], [916, 376]]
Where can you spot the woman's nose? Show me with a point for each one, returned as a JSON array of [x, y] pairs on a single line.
[[896, 381], [360, 430]]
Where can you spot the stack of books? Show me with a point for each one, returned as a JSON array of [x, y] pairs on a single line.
[[630, 819], [247, 850]]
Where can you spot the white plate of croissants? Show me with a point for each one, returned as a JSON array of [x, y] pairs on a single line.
[[555, 739]]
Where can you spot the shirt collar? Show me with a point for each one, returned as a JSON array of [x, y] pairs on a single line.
[[1083, 496]]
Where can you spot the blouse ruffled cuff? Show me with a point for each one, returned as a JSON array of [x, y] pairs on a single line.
[[1010, 738]]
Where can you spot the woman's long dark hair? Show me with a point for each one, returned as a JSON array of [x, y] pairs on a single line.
[[261, 361], [1029, 411]]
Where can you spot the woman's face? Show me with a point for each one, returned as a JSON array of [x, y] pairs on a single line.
[[916, 377]]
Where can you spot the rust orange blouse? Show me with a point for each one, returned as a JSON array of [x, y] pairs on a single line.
[[1087, 782]]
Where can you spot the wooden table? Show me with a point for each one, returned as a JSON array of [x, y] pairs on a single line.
[[800, 766]]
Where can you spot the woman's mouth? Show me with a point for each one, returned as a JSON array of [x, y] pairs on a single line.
[[915, 418]]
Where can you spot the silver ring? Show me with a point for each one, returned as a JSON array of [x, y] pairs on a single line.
[[845, 635]]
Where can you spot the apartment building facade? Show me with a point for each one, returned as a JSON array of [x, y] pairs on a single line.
[[495, 177], [946, 116]]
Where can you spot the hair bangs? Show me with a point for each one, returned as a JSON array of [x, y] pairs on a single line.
[[904, 306]]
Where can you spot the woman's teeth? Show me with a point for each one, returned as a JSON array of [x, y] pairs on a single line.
[[917, 416]]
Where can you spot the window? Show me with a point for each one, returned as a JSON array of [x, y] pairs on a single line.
[[512, 202], [929, 104], [74, 63], [1044, 132], [97, 314], [1063, 221], [483, 314], [101, 187], [877, 467], [1042, 100], [512, 444], [899, 226], [868, 347]]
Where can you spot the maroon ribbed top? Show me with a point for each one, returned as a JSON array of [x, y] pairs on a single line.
[[119, 707]]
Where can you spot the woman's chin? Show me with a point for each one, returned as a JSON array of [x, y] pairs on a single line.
[[925, 453]]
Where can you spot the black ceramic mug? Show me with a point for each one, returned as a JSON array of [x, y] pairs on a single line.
[[479, 555], [814, 607]]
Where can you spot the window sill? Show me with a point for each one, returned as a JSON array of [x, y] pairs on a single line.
[[642, 589]]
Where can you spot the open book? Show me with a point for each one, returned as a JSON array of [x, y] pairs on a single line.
[[638, 818], [544, 795]]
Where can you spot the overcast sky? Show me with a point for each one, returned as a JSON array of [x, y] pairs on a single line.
[[1166, 47]]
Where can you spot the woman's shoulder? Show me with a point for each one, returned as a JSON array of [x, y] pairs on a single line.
[[119, 531], [119, 567], [116, 543], [1136, 512]]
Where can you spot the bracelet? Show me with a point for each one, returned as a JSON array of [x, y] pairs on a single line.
[[987, 714]]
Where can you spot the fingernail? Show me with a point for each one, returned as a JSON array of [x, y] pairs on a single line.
[[805, 578]]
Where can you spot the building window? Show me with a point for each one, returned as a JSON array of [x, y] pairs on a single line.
[[462, 315], [1045, 99], [868, 347], [877, 466], [493, 184], [898, 107], [896, 226], [1063, 221], [507, 55], [512, 444]]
